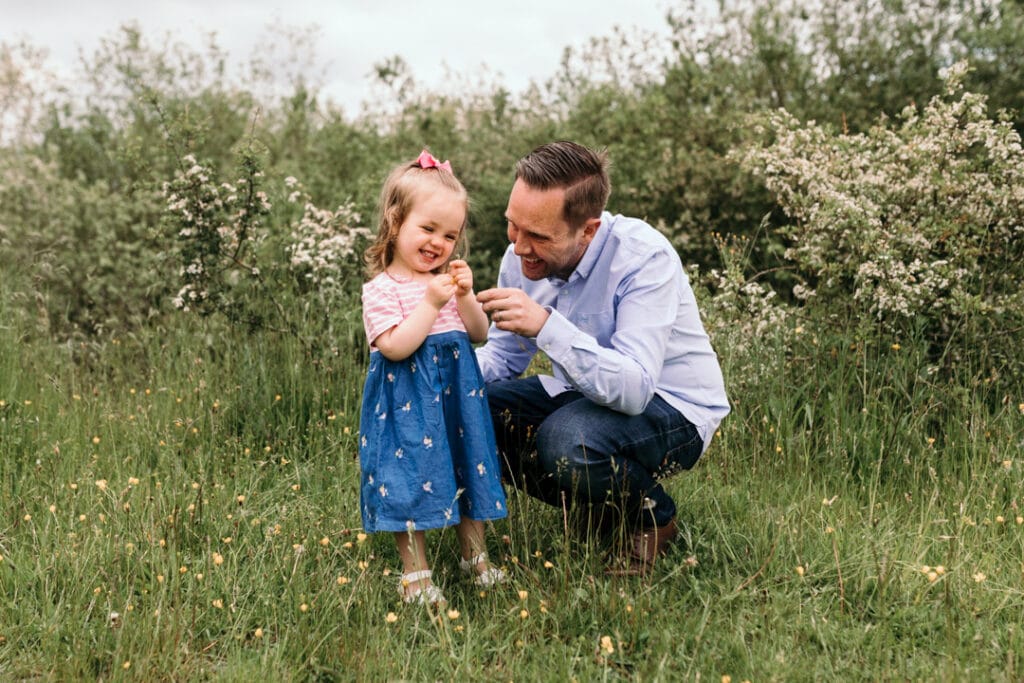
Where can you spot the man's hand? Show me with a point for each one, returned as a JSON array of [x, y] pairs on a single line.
[[513, 311]]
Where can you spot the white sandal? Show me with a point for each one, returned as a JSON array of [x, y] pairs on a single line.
[[488, 577], [424, 595]]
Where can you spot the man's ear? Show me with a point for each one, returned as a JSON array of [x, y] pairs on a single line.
[[590, 228]]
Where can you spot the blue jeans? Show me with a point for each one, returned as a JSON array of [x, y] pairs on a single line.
[[568, 448]]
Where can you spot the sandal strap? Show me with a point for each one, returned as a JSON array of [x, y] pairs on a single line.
[[417, 576], [473, 561]]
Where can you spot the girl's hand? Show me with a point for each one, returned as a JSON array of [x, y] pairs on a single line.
[[439, 290], [462, 277]]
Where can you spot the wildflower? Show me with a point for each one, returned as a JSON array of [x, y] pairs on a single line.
[[218, 603], [159, 578], [940, 570], [303, 607], [127, 665], [199, 576], [391, 617], [1000, 519], [325, 541], [342, 580], [1019, 519], [101, 484], [95, 439], [53, 508], [607, 645], [523, 595], [453, 614], [931, 440], [895, 347], [1007, 465], [800, 570], [183, 569], [240, 498], [548, 564], [933, 576], [360, 537], [218, 559], [258, 633], [979, 577], [523, 614], [133, 481]]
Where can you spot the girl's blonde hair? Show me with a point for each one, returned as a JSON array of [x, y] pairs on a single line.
[[396, 201]]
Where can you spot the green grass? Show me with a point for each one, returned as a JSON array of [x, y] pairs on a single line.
[[807, 528]]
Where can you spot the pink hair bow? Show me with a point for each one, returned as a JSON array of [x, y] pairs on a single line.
[[428, 160]]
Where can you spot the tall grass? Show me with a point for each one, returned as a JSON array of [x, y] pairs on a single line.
[[187, 509]]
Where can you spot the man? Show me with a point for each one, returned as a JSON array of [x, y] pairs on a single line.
[[637, 392]]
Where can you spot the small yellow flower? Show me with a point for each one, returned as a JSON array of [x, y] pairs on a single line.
[[453, 614], [1019, 519], [159, 578], [391, 617], [895, 347], [101, 484], [258, 633], [940, 570], [523, 595], [240, 498], [360, 537], [218, 603], [607, 645], [27, 518], [1000, 519], [325, 541], [979, 577], [933, 576], [218, 559], [296, 487], [53, 508], [182, 569], [277, 397], [133, 481], [199, 576], [931, 440], [800, 570], [726, 678], [548, 564], [342, 580], [303, 607], [1007, 465], [127, 665], [95, 439], [523, 614], [829, 530]]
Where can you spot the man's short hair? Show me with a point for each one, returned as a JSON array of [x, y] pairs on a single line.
[[581, 171]]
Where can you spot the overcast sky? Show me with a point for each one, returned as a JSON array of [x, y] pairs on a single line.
[[509, 42]]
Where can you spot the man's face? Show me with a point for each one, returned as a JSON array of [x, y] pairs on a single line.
[[543, 240]]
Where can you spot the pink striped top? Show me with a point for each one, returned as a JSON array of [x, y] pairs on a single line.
[[388, 300]]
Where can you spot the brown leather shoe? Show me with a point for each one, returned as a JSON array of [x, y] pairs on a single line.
[[644, 547]]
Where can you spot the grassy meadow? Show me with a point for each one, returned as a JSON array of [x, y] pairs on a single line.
[[182, 357], [184, 513]]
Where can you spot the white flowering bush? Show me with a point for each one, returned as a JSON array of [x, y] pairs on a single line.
[[917, 224], [744, 317], [219, 228], [258, 264], [326, 245]]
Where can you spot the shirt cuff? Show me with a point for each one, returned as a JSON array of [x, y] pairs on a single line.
[[556, 337]]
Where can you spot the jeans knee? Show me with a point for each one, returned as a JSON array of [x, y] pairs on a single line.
[[563, 454]]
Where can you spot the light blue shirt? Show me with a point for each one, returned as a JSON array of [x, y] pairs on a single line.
[[622, 328]]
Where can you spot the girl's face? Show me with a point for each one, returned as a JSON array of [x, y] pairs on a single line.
[[429, 233]]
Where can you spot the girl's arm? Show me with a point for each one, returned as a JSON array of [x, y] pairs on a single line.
[[470, 310], [400, 341]]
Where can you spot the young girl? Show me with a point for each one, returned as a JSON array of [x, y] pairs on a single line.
[[427, 449]]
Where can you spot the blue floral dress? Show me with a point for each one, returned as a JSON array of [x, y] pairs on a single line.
[[426, 448]]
